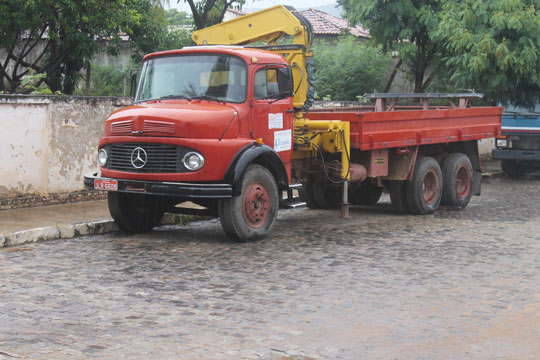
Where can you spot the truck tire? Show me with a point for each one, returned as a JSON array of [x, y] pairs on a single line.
[[328, 196], [398, 195], [250, 215], [424, 191], [307, 196], [366, 193], [457, 173], [320, 195], [135, 213], [512, 168]]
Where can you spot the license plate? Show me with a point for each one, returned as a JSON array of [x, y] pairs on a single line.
[[108, 185]]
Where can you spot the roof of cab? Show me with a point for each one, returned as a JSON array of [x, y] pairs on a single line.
[[262, 56]]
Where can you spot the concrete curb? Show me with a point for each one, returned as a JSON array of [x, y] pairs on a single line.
[[70, 231], [61, 231]]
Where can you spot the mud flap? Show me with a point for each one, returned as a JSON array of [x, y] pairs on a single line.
[[477, 183]]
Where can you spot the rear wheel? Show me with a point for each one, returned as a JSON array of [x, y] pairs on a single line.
[[513, 168], [321, 195], [457, 179], [424, 191], [398, 195], [135, 213], [250, 215], [306, 195], [366, 193]]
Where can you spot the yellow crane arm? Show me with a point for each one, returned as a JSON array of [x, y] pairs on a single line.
[[266, 25], [270, 25]]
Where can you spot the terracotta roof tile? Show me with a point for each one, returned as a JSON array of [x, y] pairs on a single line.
[[324, 23]]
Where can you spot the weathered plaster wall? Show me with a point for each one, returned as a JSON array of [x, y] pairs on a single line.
[[48, 143], [23, 144]]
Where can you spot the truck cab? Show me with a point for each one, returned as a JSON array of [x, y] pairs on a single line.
[[518, 147], [201, 118]]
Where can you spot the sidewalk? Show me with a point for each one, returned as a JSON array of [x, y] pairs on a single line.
[[67, 221]]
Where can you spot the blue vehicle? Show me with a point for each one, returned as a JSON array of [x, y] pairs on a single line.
[[518, 147]]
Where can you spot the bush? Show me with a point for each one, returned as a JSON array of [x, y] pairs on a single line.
[[107, 80], [348, 69]]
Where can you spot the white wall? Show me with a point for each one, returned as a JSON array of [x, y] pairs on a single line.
[[47, 143]]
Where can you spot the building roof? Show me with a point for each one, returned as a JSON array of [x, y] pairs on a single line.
[[326, 24], [323, 23], [237, 12]]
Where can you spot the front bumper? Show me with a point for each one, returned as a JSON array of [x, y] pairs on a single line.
[[514, 154], [183, 190]]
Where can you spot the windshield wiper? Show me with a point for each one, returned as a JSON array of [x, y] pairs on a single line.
[[206, 97], [173, 97]]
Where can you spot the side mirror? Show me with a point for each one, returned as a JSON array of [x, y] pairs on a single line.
[[133, 87]]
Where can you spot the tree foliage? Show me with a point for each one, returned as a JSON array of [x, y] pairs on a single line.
[[400, 25], [349, 69], [493, 46], [175, 17], [58, 37]]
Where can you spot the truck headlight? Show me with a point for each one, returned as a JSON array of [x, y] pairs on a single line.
[[193, 161], [102, 157], [502, 143]]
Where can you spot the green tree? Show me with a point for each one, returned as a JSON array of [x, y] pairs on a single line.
[[210, 12], [58, 37], [493, 46], [349, 69], [401, 25]]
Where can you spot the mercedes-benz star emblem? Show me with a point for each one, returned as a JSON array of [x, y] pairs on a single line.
[[138, 158]]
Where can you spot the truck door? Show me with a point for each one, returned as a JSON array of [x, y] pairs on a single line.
[[272, 111]]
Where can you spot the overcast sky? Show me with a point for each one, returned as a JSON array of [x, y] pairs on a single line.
[[261, 4]]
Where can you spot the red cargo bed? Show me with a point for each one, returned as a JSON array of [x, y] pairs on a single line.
[[391, 129]]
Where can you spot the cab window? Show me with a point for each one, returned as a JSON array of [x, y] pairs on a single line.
[[273, 83]]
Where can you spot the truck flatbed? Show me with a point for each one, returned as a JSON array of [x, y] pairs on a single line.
[[394, 129]]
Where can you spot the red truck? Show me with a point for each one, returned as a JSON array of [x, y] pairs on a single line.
[[229, 128]]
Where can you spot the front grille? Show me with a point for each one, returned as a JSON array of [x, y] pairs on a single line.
[[160, 158]]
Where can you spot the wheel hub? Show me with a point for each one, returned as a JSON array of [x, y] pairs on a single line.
[[463, 182], [256, 205], [430, 187]]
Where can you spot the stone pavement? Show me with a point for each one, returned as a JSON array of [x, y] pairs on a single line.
[[458, 284], [67, 221]]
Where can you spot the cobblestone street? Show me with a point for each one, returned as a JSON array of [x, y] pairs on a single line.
[[454, 285]]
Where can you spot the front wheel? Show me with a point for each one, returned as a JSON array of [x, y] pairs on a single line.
[[513, 168], [135, 213], [251, 215]]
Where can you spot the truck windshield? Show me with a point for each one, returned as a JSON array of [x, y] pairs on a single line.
[[211, 77]]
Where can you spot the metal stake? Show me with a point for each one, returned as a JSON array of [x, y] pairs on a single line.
[[345, 201]]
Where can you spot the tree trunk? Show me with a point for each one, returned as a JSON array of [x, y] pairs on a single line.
[[88, 79], [392, 76], [1, 80]]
